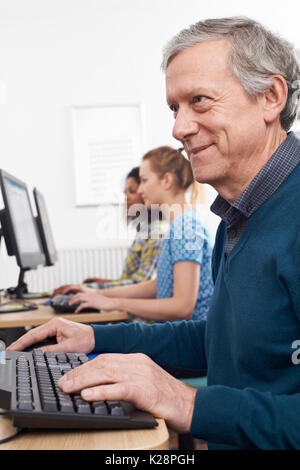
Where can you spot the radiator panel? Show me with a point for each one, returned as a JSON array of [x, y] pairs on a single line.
[[74, 265]]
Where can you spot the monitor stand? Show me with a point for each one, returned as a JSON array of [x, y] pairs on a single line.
[[15, 293], [21, 291]]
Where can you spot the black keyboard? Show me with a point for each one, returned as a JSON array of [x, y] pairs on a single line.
[[28, 388], [60, 304]]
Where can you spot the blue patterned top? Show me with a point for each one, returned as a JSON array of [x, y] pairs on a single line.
[[187, 240]]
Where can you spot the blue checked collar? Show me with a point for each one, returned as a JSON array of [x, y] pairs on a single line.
[[283, 161]]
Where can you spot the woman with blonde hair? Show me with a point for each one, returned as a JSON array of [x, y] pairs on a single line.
[[183, 286]]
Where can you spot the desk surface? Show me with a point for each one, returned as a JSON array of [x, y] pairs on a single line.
[[45, 313], [141, 439]]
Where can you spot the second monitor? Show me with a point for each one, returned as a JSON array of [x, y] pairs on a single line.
[[28, 239], [44, 228]]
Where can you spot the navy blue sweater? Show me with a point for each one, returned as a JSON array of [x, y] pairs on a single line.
[[253, 394]]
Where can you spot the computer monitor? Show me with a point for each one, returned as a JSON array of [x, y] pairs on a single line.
[[19, 229], [44, 228]]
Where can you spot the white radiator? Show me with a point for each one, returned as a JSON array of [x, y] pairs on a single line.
[[74, 265]]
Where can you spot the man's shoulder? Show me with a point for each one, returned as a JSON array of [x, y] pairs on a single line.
[[290, 187]]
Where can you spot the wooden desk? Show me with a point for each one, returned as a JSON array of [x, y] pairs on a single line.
[[45, 313], [141, 439]]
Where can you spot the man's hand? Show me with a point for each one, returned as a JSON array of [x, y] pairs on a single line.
[[70, 289], [93, 299], [137, 379], [70, 337]]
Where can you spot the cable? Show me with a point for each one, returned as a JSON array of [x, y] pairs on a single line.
[[10, 438]]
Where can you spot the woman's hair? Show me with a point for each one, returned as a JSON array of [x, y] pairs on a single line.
[[135, 174], [257, 54], [166, 159]]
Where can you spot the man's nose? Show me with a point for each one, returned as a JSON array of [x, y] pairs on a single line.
[[184, 126]]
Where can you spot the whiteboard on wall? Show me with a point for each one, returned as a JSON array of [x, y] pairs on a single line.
[[107, 144]]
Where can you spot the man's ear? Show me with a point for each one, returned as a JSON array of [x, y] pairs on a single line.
[[274, 99]]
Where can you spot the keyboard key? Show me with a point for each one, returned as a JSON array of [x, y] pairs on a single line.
[[115, 408], [61, 358], [38, 352], [84, 408], [66, 407], [75, 364], [83, 358], [50, 354], [50, 406], [52, 360], [72, 356], [25, 405], [100, 408], [24, 396]]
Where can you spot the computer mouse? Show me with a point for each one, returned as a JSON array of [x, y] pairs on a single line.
[[60, 304], [47, 342]]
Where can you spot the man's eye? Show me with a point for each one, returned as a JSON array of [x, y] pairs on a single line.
[[174, 108], [199, 99]]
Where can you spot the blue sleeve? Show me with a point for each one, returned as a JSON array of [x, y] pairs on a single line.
[[187, 238], [176, 344], [247, 419]]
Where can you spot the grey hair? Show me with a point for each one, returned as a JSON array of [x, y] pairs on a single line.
[[257, 53]]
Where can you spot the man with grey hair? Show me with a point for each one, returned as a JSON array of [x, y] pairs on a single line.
[[231, 87]]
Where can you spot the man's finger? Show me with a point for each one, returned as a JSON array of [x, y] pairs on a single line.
[[35, 335], [91, 374], [106, 392], [66, 346]]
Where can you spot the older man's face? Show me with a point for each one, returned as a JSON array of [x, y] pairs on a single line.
[[221, 127]]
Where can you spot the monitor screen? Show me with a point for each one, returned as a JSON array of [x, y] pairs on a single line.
[[44, 227], [18, 224]]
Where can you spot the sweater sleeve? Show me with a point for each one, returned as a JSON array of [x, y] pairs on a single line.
[[176, 344], [247, 419]]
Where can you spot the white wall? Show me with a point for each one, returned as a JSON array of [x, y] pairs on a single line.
[[58, 53]]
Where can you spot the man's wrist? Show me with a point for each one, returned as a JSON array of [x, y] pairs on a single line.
[[191, 397], [93, 338], [181, 417]]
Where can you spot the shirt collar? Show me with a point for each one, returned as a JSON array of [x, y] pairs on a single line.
[[283, 161]]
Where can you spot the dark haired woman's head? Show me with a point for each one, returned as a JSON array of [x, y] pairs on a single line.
[[131, 188], [135, 174]]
